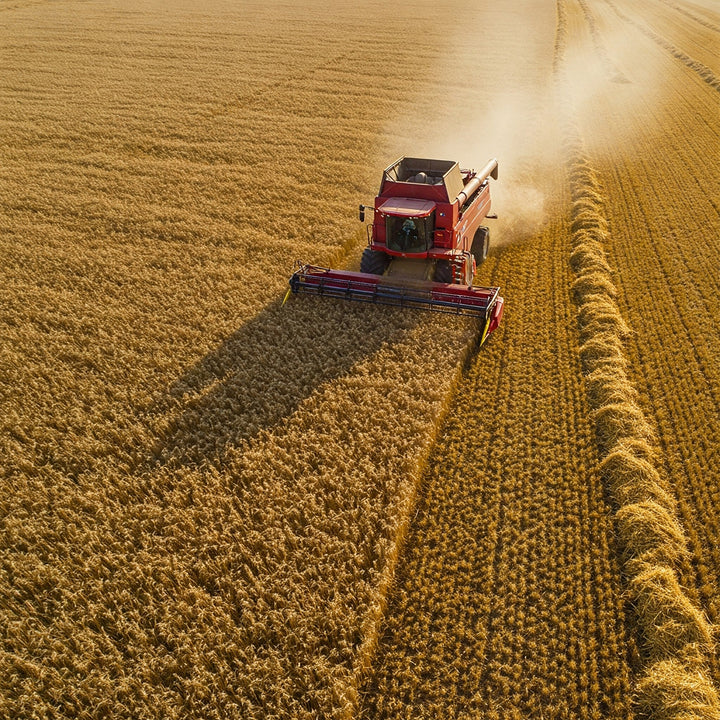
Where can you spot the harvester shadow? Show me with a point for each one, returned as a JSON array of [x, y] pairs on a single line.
[[260, 374]]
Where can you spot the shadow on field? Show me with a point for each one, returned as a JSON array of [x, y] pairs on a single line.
[[263, 371]]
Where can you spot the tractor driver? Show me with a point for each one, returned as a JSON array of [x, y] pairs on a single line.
[[409, 233]]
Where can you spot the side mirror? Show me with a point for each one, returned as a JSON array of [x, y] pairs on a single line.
[[362, 213]]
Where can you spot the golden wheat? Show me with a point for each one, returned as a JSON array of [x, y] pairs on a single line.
[[202, 491], [215, 506]]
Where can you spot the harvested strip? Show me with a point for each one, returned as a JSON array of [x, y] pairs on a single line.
[[672, 627], [702, 70], [507, 601], [696, 18]]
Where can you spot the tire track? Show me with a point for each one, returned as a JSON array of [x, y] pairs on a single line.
[[611, 71]]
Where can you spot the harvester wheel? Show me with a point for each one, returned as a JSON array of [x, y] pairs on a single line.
[[373, 262], [481, 244], [443, 272]]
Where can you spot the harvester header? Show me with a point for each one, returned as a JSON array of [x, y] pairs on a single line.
[[424, 243]]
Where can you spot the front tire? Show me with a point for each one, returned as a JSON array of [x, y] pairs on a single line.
[[373, 262], [443, 272], [481, 244]]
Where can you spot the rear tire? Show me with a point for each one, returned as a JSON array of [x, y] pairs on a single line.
[[443, 272], [373, 262], [481, 244]]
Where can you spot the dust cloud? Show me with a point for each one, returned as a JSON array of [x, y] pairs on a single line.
[[508, 103], [514, 127], [488, 114]]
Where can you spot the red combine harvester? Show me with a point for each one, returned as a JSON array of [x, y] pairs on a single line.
[[424, 244]]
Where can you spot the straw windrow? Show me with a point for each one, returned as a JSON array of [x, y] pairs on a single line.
[[676, 638]]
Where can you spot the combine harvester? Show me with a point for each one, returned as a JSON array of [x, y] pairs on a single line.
[[424, 244]]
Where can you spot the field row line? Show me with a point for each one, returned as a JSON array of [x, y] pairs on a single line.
[[678, 639], [692, 16], [703, 71]]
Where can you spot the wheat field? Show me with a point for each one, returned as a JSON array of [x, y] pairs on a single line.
[[215, 505]]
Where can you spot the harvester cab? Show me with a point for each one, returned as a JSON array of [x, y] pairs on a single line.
[[424, 244]]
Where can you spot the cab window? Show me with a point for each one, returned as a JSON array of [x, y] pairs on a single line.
[[409, 234]]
